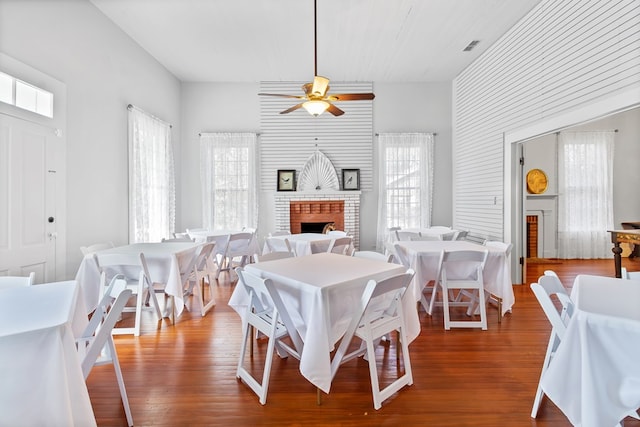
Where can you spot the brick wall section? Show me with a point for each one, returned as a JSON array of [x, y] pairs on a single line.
[[350, 201]]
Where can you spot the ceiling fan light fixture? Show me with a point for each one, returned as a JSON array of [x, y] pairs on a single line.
[[316, 107]]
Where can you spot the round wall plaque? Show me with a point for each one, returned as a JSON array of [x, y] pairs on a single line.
[[536, 181]]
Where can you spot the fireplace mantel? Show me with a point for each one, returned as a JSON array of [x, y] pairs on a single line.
[[351, 201]]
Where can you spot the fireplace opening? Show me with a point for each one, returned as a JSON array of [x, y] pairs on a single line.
[[316, 227]]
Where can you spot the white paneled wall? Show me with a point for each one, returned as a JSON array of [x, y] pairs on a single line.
[[287, 140], [562, 55]]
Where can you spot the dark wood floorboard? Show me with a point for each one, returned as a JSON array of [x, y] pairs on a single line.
[[184, 375]]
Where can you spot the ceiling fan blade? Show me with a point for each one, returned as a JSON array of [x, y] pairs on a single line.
[[282, 96], [352, 97], [335, 110], [294, 108]]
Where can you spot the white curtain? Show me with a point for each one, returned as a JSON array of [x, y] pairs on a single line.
[[585, 185], [405, 181], [228, 175], [151, 178]]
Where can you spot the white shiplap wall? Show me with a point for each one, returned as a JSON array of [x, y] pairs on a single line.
[[562, 55], [287, 140]]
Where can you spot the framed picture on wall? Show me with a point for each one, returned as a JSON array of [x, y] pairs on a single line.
[[286, 180], [351, 179]]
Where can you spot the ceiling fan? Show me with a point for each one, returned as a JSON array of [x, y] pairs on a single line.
[[316, 98]]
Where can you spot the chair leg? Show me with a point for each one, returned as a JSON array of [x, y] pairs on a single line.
[[119, 377]]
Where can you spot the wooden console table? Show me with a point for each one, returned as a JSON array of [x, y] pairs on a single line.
[[622, 236]]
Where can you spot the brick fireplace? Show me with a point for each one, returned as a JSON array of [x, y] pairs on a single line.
[[339, 207]]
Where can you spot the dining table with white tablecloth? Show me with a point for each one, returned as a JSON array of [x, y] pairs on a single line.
[[321, 293], [168, 263], [423, 257], [306, 243], [594, 376], [41, 380]]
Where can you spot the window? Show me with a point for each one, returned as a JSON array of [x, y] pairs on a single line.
[[585, 184], [405, 181], [228, 173], [151, 178], [26, 96]]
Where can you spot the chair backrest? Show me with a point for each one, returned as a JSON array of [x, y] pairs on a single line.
[[262, 292], [500, 245], [248, 230], [98, 331], [400, 254], [203, 256], [86, 250], [630, 275], [373, 255], [462, 235], [544, 289], [474, 262], [132, 266], [279, 244], [238, 243], [17, 281], [452, 235], [426, 236], [405, 236], [340, 245], [391, 290], [270, 256]]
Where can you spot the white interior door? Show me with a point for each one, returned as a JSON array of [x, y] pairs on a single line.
[[27, 199]]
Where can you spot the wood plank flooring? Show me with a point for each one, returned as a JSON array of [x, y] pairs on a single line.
[[184, 375]]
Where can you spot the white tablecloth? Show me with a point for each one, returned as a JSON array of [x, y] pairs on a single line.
[[41, 381], [166, 261], [306, 243], [594, 377], [423, 257], [321, 292]]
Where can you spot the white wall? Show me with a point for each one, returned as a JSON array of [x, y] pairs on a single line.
[[398, 107], [104, 71], [561, 57]]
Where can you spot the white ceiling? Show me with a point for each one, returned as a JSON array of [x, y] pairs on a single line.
[[272, 40]]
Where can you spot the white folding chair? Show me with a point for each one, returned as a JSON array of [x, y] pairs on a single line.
[[270, 256], [379, 313], [463, 271], [86, 250], [96, 346], [279, 244], [264, 312], [133, 269], [340, 245], [203, 273], [237, 246], [630, 275], [549, 286], [373, 255], [7, 282], [406, 236], [453, 235]]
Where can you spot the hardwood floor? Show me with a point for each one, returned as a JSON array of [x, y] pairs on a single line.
[[184, 375]]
